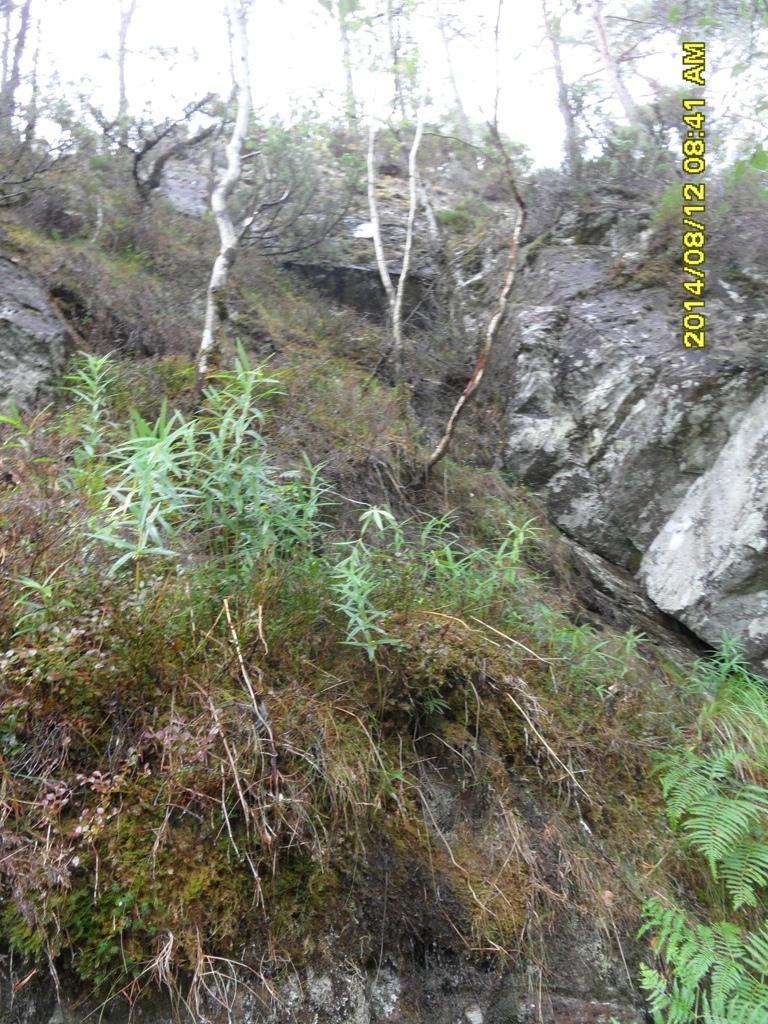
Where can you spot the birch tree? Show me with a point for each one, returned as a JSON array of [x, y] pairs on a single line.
[[12, 63], [572, 142], [394, 294], [611, 63], [510, 273], [395, 42], [127, 11], [229, 235], [492, 329], [448, 31], [343, 11]]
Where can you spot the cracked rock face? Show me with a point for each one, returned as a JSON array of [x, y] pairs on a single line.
[[708, 565], [34, 341], [635, 441]]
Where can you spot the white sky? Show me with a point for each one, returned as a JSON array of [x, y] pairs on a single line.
[[296, 59]]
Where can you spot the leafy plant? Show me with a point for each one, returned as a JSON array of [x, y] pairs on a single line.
[[718, 972], [472, 578], [210, 475], [355, 582], [39, 600], [717, 799], [89, 381]]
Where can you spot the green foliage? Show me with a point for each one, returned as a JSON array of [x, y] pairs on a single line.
[[667, 210], [39, 602], [208, 476], [134, 744], [21, 432], [14, 419], [717, 800], [89, 381], [354, 585], [593, 662], [714, 974], [464, 219], [471, 579], [430, 567], [757, 161]]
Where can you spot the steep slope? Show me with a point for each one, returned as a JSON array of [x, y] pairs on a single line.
[[278, 749]]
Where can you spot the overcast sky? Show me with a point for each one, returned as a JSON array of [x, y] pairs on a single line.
[[296, 59]]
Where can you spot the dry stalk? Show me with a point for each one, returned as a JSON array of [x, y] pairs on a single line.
[[495, 322], [257, 701], [514, 681]]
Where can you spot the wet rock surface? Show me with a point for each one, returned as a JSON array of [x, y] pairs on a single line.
[[615, 424], [346, 993], [34, 340]]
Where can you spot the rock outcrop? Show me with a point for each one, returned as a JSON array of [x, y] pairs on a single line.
[[640, 446], [339, 990], [608, 417], [708, 565], [34, 340]]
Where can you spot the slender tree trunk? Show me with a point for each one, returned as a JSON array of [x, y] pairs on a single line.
[[216, 301], [572, 143], [413, 186], [460, 109], [394, 56], [611, 64], [373, 209], [11, 84], [33, 109], [497, 61], [495, 322], [351, 101], [126, 16], [8, 11], [394, 295]]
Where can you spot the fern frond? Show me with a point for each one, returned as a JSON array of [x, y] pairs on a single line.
[[717, 794], [655, 988], [684, 782], [756, 945], [739, 717], [744, 870], [716, 824]]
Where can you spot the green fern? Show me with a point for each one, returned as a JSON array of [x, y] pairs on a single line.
[[719, 822], [714, 974], [717, 973], [745, 870]]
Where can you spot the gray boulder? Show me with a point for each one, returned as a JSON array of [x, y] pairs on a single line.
[[34, 340], [614, 422], [708, 566]]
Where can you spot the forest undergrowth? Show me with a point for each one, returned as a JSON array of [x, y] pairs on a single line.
[[225, 681]]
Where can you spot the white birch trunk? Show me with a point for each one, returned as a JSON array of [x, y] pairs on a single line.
[[13, 79], [413, 184], [611, 64], [395, 295], [341, 14], [572, 146], [126, 17], [373, 210], [215, 308]]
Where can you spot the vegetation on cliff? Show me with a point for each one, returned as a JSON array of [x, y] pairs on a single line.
[[270, 692], [230, 686]]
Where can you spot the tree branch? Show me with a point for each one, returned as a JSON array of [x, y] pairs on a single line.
[[493, 326]]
